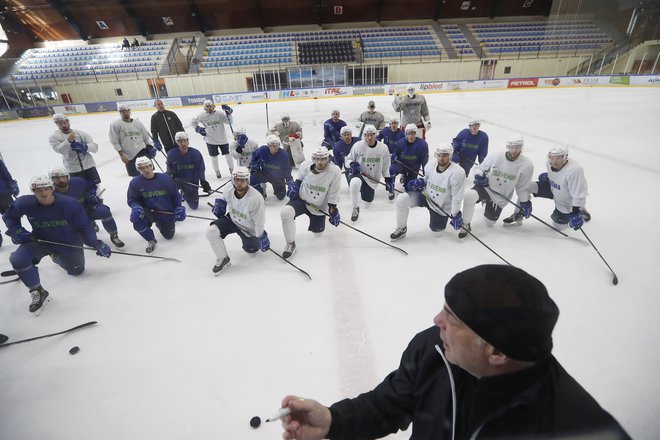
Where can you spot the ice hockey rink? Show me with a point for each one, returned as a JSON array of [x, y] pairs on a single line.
[[181, 354]]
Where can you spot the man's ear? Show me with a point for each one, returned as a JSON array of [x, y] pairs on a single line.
[[496, 357]]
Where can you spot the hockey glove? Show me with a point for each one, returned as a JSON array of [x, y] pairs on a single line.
[[427, 125], [526, 208], [21, 236], [219, 208], [575, 220], [264, 242], [294, 136], [292, 190], [334, 216], [102, 249], [13, 187], [150, 152], [228, 110], [257, 166], [179, 213], [543, 177], [158, 145], [457, 221], [94, 199], [78, 147], [206, 187], [481, 180], [389, 184], [201, 130], [355, 169], [416, 185], [137, 214]]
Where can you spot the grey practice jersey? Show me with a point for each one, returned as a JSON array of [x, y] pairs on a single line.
[[568, 186], [245, 157], [374, 161], [412, 109], [286, 132], [71, 159], [214, 123], [446, 189], [505, 176], [320, 189], [248, 212], [376, 119], [131, 137]]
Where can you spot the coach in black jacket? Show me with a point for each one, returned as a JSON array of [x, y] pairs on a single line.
[[165, 124], [496, 332]]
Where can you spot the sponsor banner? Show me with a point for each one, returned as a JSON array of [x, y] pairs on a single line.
[[70, 109], [33, 112], [226, 98], [582, 81], [430, 87], [8, 115], [494, 84], [149, 103], [94, 107], [195, 100], [368, 90], [645, 80], [300, 93], [622, 80], [522, 83], [337, 91]]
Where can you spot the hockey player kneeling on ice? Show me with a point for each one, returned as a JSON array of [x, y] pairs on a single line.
[[504, 173], [391, 134], [411, 155], [186, 165], [270, 164], [54, 218], [469, 144], [368, 162], [441, 191], [315, 192], [154, 198], [243, 212], [342, 147], [242, 147], [85, 192], [564, 182], [332, 129]]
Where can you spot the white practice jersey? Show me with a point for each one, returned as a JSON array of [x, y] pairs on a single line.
[[245, 157], [412, 109], [505, 176], [376, 119], [248, 212], [286, 132], [71, 159], [130, 136], [320, 189], [568, 186], [214, 123], [374, 161], [446, 188]]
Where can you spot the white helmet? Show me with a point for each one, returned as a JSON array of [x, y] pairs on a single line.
[[271, 139], [123, 106], [444, 149], [411, 128], [515, 141], [320, 153], [181, 135], [58, 171], [558, 151], [286, 116], [57, 117], [410, 89], [239, 131], [345, 129], [369, 129], [474, 121], [208, 102], [393, 120], [240, 173], [142, 162], [41, 182]]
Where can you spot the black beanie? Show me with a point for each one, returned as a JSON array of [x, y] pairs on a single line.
[[506, 307]]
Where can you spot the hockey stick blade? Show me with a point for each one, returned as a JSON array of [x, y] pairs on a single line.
[[8, 273], [3, 339], [87, 324], [9, 281]]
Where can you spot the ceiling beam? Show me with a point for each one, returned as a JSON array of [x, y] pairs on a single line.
[[128, 6], [66, 15]]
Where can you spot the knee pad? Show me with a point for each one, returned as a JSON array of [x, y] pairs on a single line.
[[489, 222], [213, 233], [287, 213]]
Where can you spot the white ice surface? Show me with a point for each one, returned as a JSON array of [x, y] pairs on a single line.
[[180, 354]]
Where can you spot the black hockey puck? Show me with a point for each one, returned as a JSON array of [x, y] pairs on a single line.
[[74, 350], [255, 422]]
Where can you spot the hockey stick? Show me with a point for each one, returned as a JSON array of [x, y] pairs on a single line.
[[187, 215], [267, 122], [615, 280], [195, 185], [361, 232], [9, 281], [114, 252], [87, 324], [8, 273]]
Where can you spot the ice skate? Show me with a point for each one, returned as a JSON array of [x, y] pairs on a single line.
[[151, 246], [40, 298], [221, 265], [114, 238], [289, 250], [464, 231], [398, 234], [514, 219], [355, 214]]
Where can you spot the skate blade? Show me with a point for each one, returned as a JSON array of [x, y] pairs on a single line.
[[43, 306]]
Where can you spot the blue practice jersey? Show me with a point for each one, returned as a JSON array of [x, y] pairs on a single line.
[[390, 138], [341, 149], [332, 131], [80, 189], [188, 167], [467, 147], [64, 221], [5, 178], [414, 156], [277, 166], [159, 193]]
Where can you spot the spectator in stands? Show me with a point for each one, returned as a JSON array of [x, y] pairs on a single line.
[[372, 117], [125, 44], [131, 139], [164, 124], [135, 43], [75, 147]]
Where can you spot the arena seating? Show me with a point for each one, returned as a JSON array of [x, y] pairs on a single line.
[[458, 40]]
